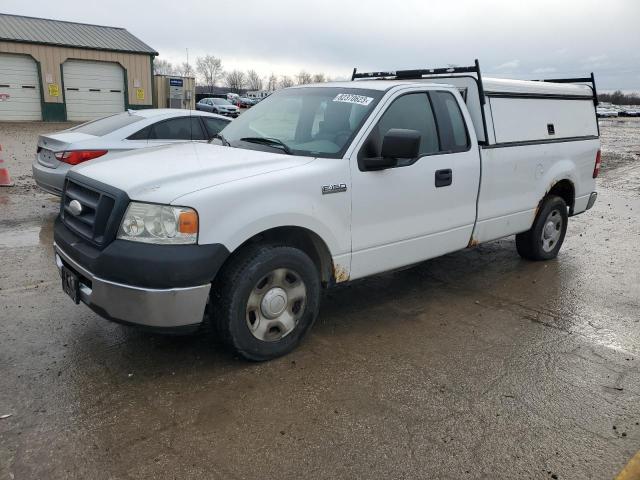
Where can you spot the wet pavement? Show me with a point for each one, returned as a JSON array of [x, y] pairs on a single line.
[[474, 365]]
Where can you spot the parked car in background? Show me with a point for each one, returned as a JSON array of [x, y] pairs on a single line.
[[604, 112], [245, 102], [629, 112], [219, 106], [105, 137]]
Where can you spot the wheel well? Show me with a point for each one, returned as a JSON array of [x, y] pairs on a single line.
[[565, 190], [302, 238]]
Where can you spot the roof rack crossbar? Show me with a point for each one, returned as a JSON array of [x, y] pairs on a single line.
[[565, 80], [429, 72], [590, 79], [413, 74]]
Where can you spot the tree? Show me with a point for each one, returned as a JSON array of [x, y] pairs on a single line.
[[185, 70], [272, 83], [210, 69], [620, 98], [304, 78], [163, 67], [286, 82], [235, 80], [319, 78], [254, 82]]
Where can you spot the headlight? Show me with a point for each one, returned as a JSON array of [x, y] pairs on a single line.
[[149, 223]]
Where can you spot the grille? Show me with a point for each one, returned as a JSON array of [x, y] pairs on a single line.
[[96, 216]]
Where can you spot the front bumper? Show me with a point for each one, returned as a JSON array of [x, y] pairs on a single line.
[[170, 308], [163, 287]]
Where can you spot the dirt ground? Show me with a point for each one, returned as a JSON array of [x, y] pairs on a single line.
[[474, 365]]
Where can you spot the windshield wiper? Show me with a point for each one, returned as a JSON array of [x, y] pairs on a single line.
[[272, 142], [220, 137]]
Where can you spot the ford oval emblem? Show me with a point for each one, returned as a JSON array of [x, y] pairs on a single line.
[[75, 207]]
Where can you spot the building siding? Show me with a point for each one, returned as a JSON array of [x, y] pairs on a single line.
[[137, 67], [162, 91]]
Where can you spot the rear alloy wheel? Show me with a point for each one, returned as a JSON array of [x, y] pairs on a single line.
[[265, 299], [544, 239]]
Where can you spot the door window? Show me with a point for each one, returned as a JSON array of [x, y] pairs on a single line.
[[197, 132], [214, 125], [451, 126], [413, 112], [140, 134], [174, 129]]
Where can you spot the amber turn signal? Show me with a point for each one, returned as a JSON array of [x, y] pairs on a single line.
[[188, 222]]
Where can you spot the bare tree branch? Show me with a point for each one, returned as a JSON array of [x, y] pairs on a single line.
[[303, 78], [319, 78], [210, 69], [163, 67], [254, 82], [272, 83], [286, 82], [185, 70], [235, 80]]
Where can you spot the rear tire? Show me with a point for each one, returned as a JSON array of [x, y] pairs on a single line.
[[544, 239], [265, 300]]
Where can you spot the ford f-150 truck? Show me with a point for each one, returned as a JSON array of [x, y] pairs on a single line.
[[322, 184]]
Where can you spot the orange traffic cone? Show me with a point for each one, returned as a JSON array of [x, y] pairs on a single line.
[[5, 179]]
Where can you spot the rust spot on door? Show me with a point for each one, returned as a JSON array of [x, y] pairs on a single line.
[[340, 273]]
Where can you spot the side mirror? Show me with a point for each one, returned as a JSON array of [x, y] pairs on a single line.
[[397, 143]]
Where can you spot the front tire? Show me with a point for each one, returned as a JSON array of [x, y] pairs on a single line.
[[544, 239], [265, 300]]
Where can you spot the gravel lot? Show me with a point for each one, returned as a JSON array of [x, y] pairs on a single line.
[[474, 365]]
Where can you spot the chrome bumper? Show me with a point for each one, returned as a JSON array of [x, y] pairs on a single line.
[[157, 308]]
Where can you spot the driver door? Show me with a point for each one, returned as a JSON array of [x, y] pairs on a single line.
[[423, 207]]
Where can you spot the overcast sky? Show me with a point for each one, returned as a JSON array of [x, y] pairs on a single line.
[[520, 39]]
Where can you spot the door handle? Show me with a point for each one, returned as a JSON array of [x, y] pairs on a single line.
[[444, 177]]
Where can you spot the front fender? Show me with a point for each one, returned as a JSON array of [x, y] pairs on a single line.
[[232, 213]]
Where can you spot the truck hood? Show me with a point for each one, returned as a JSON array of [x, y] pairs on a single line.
[[164, 173]]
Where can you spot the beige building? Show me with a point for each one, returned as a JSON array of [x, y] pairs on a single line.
[[54, 70], [171, 91]]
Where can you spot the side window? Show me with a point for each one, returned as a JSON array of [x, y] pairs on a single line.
[[413, 112], [140, 134], [174, 129], [452, 129], [197, 132], [214, 125]]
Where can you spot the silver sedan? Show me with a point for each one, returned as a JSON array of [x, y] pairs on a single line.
[[108, 136]]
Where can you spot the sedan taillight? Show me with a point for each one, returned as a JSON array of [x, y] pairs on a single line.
[[74, 157]]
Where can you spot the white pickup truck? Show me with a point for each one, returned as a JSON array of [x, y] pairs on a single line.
[[322, 184]]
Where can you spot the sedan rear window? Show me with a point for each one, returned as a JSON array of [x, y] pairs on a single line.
[[106, 125]]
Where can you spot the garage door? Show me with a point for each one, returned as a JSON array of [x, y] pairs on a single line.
[[19, 88], [92, 89]]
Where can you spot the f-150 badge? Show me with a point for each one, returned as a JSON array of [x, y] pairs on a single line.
[[335, 188]]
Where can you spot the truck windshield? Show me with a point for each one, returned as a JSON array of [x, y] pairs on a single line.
[[308, 121]]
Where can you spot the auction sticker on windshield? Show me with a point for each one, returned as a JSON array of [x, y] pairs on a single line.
[[350, 98]]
